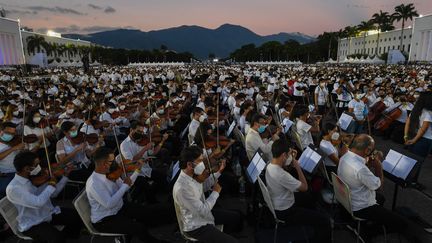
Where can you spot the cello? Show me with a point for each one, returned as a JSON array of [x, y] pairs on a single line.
[[388, 118]]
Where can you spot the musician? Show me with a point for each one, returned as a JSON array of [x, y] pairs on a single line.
[[301, 116], [68, 115], [343, 90], [77, 154], [354, 170], [36, 214], [418, 130], [240, 99], [198, 116], [396, 129], [358, 108], [321, 95], [245, 115], [7, 154], [254, 140], [109, 213], [284, 188], [196, 210], [32, 126], [165, 121], [132, 151], [300, 87], [330, 138]]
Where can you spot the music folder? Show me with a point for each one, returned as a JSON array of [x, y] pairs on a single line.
[[344, 121], [175, 170], [310, 158], [256, 166], [398, 164]]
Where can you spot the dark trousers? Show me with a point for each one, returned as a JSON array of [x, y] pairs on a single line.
[[5, 179], [210, 234], [306, 217], [48, 233], [231, 220], [134, 220], [392, 221]]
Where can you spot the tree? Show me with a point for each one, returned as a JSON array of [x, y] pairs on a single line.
[[211, 56], [404, 12], [35, 42], [364, 27], [383, 20]]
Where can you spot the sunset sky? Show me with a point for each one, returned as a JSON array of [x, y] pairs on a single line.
[[261, 16]]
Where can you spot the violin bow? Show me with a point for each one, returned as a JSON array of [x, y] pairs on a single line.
[[118, 148], [24, 109], [217, 121], [46, 152], [207, 155]]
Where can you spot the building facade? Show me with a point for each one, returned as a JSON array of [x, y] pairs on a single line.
[[11, 47], [416, 42]]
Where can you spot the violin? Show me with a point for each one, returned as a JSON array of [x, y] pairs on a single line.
[[29, 139], [91, 138], [43, 177], [116, 171], [212, 142]]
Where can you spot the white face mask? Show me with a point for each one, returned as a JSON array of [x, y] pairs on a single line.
[[202, 118], [111, 110], [335, 136], [36, 119], [36, 170], [288, 160], [199, 168], [122, 107], [70, 111], [161, 112], [15, 113]]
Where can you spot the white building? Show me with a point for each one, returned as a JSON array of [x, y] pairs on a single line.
[[417, 42], [14, 51], [11, 47]]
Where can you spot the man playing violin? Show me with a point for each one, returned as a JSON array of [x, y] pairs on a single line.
[[37, 217], [108, 211], [8, 151]]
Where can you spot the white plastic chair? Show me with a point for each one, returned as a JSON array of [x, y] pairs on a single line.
[[268, 201], [82, 206], [10, 213], [343, 196]]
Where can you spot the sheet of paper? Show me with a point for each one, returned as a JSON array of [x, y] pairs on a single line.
[[404, 167], [287, 123], [344, 121], [391, 161], [231, 128], [256, 166], [309, 160]]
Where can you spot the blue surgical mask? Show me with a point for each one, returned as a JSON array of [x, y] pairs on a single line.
[[73, 134], [262, 128], [6, 137]]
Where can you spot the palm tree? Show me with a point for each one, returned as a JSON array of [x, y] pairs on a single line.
[[383, 20], [404, 12], [35, 42], [364, 27], [350, 31]]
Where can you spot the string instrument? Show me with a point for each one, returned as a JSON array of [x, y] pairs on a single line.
[[116, 171], [43, 177], [122, 171], [387, 119], [28, 139], [91, 138], [376, 110], [211, 142]]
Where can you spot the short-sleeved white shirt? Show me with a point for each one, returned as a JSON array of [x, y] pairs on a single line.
[[426, 116], [281, 186], [328, 148], [358, 108]]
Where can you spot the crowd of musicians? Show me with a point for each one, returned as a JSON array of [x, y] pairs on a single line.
[[120, 133]]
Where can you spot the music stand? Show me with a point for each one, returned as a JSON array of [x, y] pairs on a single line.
[[310, 158], [256, 166]]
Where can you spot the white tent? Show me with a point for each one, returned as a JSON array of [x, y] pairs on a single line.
[[377, 60]]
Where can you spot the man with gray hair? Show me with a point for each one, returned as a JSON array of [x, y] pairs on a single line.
[[354, 171]]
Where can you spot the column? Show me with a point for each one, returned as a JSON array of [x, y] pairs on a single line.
[[429, 50]]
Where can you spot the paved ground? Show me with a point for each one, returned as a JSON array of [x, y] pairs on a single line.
[[411, 198]]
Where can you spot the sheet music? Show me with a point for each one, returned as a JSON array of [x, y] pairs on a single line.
[[175, 170], [256, 166], [287, 123], [398, 164], [309, 159], [231, 128], [344, 121], [264, 109]]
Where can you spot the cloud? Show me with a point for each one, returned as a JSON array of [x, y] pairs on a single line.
[[94, 6], [56, 10], [82, 30], [109, 9], [20, 12]]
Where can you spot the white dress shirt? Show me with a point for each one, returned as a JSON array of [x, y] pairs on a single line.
[[195, 209], [193, 127], [129, 149], [33, 203], [105, 196], [255, 142], [361, 181], [281, 186], [6, 164]]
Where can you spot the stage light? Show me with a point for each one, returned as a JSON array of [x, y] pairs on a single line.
[[53, 34]]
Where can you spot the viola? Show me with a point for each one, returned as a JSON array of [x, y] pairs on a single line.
[[43, 177]]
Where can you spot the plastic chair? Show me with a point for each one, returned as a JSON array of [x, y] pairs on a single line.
[[10, 213], [343, 196], [82, 206]]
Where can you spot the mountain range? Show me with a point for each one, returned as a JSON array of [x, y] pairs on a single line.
[[197, 40]]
